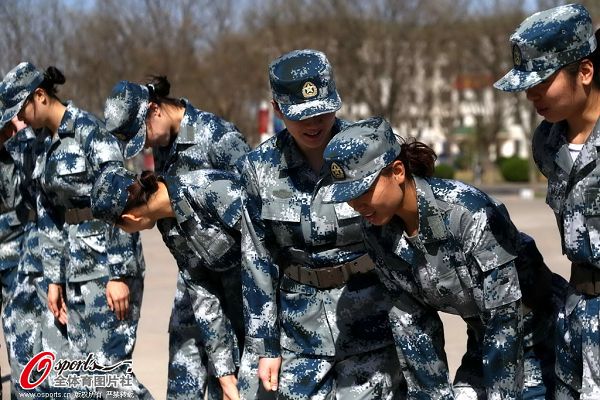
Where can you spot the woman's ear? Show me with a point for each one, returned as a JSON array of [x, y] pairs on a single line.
[[130, 218], [41, 96], [586, 70], [154, 109], [277, 110], [398, 171]]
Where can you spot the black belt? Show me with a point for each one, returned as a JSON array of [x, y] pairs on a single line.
[[330, 277], [78, 215], [585, 277]]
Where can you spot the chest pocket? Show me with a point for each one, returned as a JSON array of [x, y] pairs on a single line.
[[283, 216], [348, 224], [93, 234], [448, 284], [71, 164]]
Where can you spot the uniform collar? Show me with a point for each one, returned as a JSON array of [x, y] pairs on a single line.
[[555, 143], [67, 124], [589, 152], [187, 131]]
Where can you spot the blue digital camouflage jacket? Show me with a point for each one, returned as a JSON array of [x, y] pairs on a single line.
[[462, 261], [573, 189], [285, 221], [81, 150]]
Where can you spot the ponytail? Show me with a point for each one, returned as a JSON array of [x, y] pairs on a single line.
[[141, 190], [158, 90], [418, 159], [52, 77]]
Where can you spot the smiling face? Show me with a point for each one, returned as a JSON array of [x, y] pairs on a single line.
[[386, 197], [310, 134]]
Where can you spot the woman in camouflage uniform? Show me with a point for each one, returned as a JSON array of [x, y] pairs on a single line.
[[186, 139], [29, 325], [11, 243], [95, 271], [442, 245], [316, 314], [557, 64]]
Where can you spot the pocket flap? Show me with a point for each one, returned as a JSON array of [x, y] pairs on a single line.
[[281, 210]]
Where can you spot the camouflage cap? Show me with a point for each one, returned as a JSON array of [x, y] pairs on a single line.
[[356, 156], [302, 84], [109, 196], [125, 115], [16, 86], [545, 42]]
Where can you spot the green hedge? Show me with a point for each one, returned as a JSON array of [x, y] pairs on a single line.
[[444, 171], [515, 169]]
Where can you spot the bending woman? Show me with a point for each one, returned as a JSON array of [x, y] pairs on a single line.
[[95, 274], [184, 139], [442, 245], [211, 200]]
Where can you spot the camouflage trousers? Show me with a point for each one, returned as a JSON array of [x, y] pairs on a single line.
[[206, 315], [578, 348], [94, 330], [370, 375], [538, 360], [27, 328], [8, 280]]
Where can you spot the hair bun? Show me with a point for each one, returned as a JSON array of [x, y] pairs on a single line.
[[149, 181], [161, 85], [54, 75]]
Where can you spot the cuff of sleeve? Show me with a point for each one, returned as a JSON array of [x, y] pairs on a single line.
[[181, 207], [224, 368], [263, 347]]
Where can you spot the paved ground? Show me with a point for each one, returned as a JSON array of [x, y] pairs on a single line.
[[151, 354]]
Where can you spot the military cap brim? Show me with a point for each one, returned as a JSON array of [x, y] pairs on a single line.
[[309, 109], [136, 144], [343, 191], [125, 115], [517, 81], [11, 112]]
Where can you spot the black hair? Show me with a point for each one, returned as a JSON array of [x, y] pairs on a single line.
[[159, 88], [573, 68], [418, 159], [141, 190], [52, 77]]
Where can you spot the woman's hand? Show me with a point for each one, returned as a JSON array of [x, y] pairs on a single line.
[[146, 215], [56, 302], [268, 372], [117, 296], [229, 386]]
